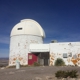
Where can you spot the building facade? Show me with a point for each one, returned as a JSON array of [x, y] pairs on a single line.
[[68, 51], [24, 33], [26, 46]]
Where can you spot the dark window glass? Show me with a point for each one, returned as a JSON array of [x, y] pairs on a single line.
[[64, 55], [70, 55], [75, 56], [19, 28]]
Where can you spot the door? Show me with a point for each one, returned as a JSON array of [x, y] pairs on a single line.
[[31, 58], [46, 58], [45, 62]]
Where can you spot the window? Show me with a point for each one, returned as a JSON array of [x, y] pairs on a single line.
[[70, 55], [75, 56], [64, 55], [30, 56], [19, 28]]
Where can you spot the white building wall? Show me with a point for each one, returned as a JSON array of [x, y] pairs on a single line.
[[58, 49], [19, 48], [39, 48]]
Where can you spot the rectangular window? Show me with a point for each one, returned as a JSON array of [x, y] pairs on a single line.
[[64, 55], [70, 55], [30, 56], [19, 28], [75, 56]]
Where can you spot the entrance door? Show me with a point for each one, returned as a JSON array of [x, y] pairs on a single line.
[[45, 62], [31, 58], [46, 58], [43, 58]]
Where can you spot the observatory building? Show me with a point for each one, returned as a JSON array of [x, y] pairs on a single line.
[[27, 47], [22, 35]]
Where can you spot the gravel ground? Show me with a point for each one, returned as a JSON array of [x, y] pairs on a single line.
[[33, 73]]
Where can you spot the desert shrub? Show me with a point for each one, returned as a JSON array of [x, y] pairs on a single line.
[[65, 74], [15, 66], [24, 65], [59, 62], [60, 74], [36, 64], [11, 66], [3, 65], [72, 74]]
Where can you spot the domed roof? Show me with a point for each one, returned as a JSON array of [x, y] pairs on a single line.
[[28, 26]]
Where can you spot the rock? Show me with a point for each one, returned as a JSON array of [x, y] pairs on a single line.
[[11, 72], [7, 66], [3, 68], [78, 79], [49, 78], [38, 78]]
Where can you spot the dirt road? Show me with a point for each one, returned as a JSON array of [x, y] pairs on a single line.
[[33, 73]]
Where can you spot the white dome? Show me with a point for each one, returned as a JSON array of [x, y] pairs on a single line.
[[28, 26]]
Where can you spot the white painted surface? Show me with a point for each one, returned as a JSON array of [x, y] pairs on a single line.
[[39, 48], [57, 50], [28, 26], [19, 48], [31, 32]]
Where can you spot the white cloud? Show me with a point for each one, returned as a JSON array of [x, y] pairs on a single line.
[[4, 39]]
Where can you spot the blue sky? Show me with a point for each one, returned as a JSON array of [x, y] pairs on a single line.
[[60, 19]]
